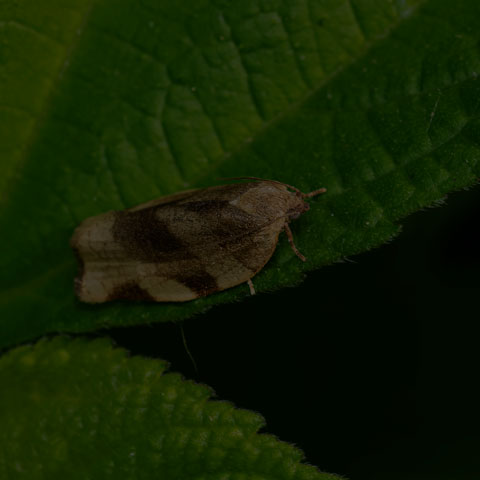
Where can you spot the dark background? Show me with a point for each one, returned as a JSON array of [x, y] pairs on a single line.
[[371, 366]]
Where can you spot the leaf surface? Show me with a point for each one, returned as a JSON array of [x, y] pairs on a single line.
[[106, 104], [80, 409]]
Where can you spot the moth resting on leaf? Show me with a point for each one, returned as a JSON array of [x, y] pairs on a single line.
[[186, 245]]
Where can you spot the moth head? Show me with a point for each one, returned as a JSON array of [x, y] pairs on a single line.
[[298, 204]]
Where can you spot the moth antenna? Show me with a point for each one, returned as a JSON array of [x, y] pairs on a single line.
[[315, 192]]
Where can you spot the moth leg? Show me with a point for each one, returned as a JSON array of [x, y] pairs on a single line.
[[292, 244], [251, 287]]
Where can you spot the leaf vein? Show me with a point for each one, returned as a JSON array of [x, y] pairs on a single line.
[[253, 95], [298, 61], [42, 115]]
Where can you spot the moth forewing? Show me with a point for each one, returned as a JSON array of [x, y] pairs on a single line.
[[186, 245]]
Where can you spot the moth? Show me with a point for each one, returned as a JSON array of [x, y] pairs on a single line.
[[187, 245]]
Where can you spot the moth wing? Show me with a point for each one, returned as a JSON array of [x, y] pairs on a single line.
[[219, 192], [176, 248], [204, 269], [245, 257], [226, 266], [175, 197]]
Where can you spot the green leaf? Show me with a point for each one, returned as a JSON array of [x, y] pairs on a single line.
[[109, 103], [80, 409]]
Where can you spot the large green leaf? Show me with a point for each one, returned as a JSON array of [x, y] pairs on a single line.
[[79, 409], [109, 103]]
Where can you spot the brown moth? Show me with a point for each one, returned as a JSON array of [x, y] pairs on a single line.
[[186, 245]]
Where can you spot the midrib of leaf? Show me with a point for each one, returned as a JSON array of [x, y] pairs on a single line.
[[41, 117], [297, 105]]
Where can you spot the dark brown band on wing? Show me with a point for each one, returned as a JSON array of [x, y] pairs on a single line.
[[202, 283], [130, 291], [146, 238]]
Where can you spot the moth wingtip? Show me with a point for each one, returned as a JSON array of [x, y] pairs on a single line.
[[79, 291]]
